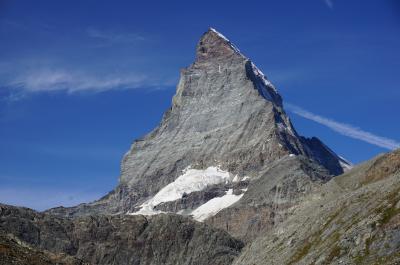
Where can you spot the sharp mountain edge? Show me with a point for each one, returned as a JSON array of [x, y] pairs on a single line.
[[218, 144]]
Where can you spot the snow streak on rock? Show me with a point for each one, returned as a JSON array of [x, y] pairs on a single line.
[[190, 181], [213, 206]]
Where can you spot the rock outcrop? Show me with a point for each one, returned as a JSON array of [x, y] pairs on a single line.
[[122, 239]]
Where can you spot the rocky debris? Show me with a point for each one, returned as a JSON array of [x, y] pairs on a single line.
[[121, 239], [338, 224], [382, 167]]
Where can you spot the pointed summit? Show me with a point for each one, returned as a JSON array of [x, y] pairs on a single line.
[[213, 45], [226, 123]]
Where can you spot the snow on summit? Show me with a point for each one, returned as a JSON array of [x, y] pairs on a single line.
[[233, 46]]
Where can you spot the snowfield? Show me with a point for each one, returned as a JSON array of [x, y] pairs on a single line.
[[213, 206], [190, 181]]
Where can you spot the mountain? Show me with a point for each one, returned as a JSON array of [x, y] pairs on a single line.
[[224, 179], [219, 145]]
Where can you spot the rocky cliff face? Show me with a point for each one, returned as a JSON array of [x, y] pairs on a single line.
[[225, 116], [123, 239]]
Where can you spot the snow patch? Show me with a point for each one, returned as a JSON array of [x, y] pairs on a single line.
[[263, 78], [245, 178], [147, 210], [281, 127], [215, 205], [345, 164], [190, 181], [236, 179]]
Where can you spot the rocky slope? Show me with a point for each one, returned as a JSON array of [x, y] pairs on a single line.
[[227, 127], [353, 219], [121, 239], [14, 251], [269, 197]]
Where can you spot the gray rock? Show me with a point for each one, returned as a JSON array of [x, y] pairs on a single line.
[[14, 251], [121, 239], [225, 112], [269, 198]]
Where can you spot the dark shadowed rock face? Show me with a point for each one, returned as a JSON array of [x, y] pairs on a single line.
[[123, 239], [225, 113]]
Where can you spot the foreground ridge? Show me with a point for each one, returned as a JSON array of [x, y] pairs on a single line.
[[352, 219]]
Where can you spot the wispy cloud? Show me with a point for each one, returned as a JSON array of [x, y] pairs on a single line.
[[71, 81], [329, 3], [346, 129], [109, 37]]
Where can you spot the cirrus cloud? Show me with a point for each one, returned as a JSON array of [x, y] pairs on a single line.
[[329, 3], [345, 129], [52, 80]]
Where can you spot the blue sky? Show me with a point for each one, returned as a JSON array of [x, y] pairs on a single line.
[[79, 81]]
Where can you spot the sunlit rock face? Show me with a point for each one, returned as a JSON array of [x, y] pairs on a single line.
[[225, 114]]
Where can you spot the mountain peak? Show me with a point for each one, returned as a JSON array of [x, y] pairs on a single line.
[[226, 120], [213, 30], [214, 45]]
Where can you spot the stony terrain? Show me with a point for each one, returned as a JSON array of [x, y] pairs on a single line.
[[15, 251], [268, 198], [121, 239], [353, 219]]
